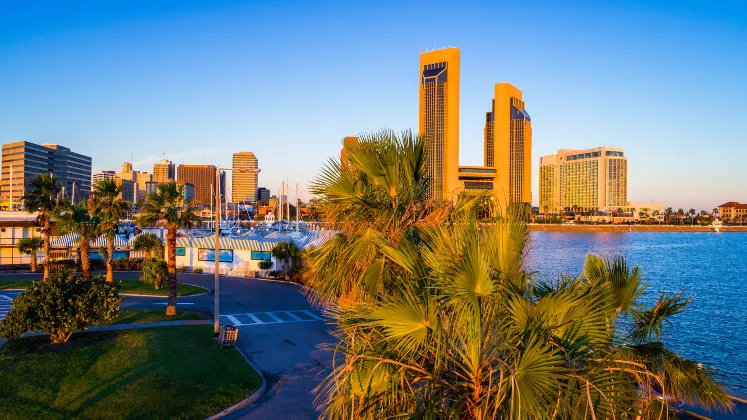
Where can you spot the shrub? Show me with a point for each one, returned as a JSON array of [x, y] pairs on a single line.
[[61, 305], [128, 264], [181, 269], [197, 270], [273, 274], [154, 271], [264, 266]]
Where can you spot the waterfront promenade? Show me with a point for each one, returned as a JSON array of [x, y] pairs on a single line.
[[551, 227]]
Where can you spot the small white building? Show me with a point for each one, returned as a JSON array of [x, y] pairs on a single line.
[[241, 256]]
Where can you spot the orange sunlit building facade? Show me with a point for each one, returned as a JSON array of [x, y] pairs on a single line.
[[507, 135], [439, 120]]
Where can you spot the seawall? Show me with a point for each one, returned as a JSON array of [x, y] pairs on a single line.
[[539, 227]]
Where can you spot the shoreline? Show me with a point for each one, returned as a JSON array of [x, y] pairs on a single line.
[[541, 227]]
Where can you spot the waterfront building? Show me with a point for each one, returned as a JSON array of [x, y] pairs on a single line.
[[733, 211], [589, 179], [103, 176], [263, 196], [439, 120], [508, 145], [202, 177], [23, 160], [164, 171], [244, 184]]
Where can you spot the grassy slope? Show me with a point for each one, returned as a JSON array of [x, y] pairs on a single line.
[[172, 372], [128, 286]]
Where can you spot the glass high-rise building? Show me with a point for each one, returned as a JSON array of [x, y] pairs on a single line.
[[244, 184], [28, 160], [439, 120], [508, 145], [589, 179]]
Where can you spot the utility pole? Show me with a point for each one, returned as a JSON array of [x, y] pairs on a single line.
[[287, 202], [216, 315], [298, 206], [10, 205]]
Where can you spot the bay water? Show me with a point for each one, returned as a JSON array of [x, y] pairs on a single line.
[[710, 267]]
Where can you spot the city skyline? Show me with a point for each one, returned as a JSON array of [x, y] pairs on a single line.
[[191, 81]]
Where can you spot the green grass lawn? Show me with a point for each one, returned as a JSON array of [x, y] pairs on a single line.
[[131, 286], [14, 284], [138, 316], [168, 372]]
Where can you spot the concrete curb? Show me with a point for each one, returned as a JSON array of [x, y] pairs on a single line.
[[254, 396], [166, 297]]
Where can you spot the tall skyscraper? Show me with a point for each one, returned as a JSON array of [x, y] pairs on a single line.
[[508, 145], [439, 120], [127, 167], [592, 179], [244, 184], [203, 179], [164, 171], [72, 169], [141, 181]]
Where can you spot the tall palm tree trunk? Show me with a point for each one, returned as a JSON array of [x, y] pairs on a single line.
[[33, 261], [110, 260], [45, 248], [85, 258], [171, 278]]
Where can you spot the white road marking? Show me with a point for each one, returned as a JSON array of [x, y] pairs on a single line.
[[271, 315], [309, 313], [233, 318], [290, 314], [255, 319], [6, 304], [178, 303]]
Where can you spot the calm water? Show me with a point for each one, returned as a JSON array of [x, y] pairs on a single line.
[[710, 267]]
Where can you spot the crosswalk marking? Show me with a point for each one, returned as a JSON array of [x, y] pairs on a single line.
[[300, 315], [5, 305], [309, 313], [255, 319]]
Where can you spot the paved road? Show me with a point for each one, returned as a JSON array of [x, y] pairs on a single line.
[[278, 330]]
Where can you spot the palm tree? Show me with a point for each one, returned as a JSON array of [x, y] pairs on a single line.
[[75, 218], [382, 191], [691, 212], [668, 214], [290, 255], [42, 199], [148, 243], [167, 205], [680, 215], [107, 205], [30, 246], [436, 317]]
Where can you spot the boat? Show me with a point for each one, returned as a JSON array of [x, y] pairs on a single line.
[[716, 225]]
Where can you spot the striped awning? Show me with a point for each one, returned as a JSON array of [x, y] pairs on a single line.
[[226, 243], [71, 240]]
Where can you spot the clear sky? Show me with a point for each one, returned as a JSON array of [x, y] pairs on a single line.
[[198, 80]]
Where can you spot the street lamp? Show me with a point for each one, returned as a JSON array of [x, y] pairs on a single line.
[[216, 315]]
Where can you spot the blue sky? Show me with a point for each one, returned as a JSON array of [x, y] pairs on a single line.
[[198, 80]]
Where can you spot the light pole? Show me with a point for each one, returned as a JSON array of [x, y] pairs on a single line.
[[216, 315]]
